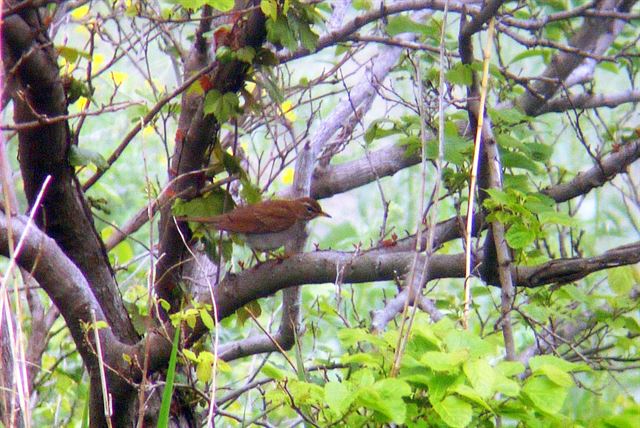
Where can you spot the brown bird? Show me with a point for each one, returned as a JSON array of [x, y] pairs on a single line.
[[266, 225]]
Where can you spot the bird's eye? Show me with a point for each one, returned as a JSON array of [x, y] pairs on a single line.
[[310, 208]]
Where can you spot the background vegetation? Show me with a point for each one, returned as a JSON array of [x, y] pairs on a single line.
[[420, 303]]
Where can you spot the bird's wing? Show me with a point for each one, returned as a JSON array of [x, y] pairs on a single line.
[[264, 217], [272, 217]]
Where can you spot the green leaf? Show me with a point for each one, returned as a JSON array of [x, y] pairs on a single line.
[[506, 386], [454, 411], [376, 131], [279, 31], [245, 54], [472, 395], [621, 280], [221, 5], [71, 54], [481, 375], [443, 361], [209, 204], [338, 397], [538, 361], [529, 53], [511, 116], [222, 106], [308, 37], [554, 217], [385, 398], [403, 24], [477, 347], [79, 156], [510, 368], [539, 152], [274, 372], [269, 8], [546, 395], [520, 236], [555, 375], [518, 160], [207, 320], [460, 74], [352, 336], [204, 370]]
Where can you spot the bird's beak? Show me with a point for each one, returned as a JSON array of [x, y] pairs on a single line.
[[324, 214]]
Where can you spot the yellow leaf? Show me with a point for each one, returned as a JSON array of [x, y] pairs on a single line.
[[287, 176], [287, 110], [249, 86], [81, 29], [118, 77], [80, 102], [98, 59], [147, 131], [80, 12]]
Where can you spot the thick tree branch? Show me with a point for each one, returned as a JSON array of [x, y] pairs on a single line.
[[29, 56], [68, 289], [198, 132], [590, 101], [595, 36]]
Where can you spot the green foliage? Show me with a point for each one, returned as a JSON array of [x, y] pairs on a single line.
[[525, 215], [449, 377], [221, 5], [211, 203], [79, 156], [222, 106], [291, 26]]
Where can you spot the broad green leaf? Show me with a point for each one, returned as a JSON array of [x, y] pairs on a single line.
[[510, 368], [538, 361], [506, 386], [444, 361], [351, 337], [209, 204], [338, 397], [362, 358], [394, 387], [403, 24], [274, 372], [555, 375], [440, 385], [520, 236], [222, 106], [460, 74], [621, 280], [519, 160], [390, 405], [269, 8], [456, 340], [529, 53], [454, 411], [204, 370], [546, 395], [511, 116], [79, 156], [71, 54], [245, 54], [221, 5], [472, 395], [481, 375], [207, 320], [554, 217], [539, 152]]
